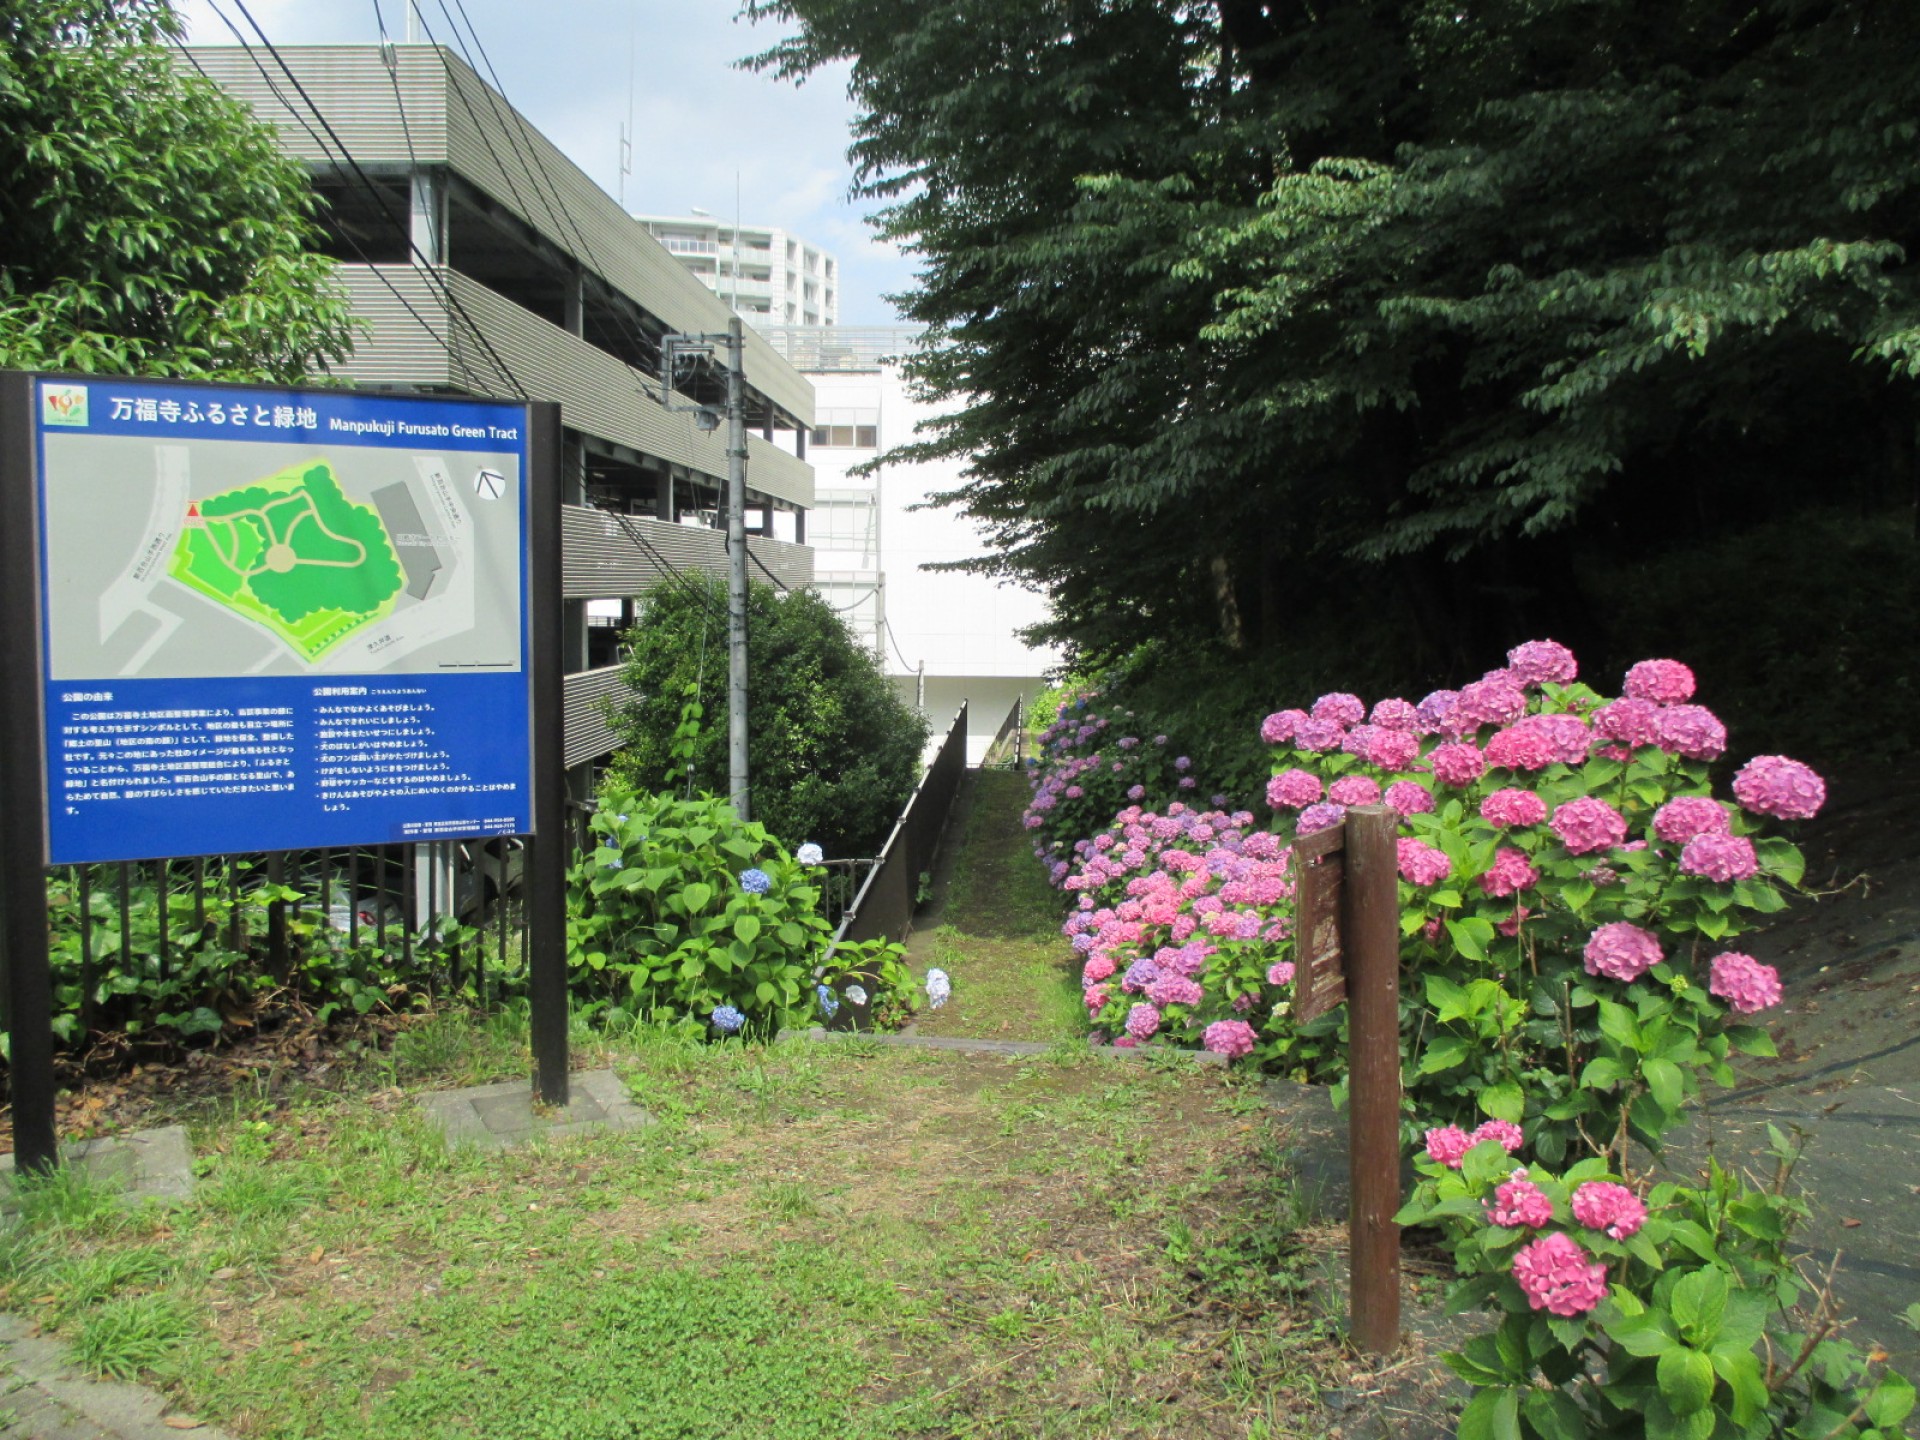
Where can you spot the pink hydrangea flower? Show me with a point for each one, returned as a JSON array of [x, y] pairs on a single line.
[[1540, 662], [1354, 790], [1457, 764], [1142, 1022], [1775, 785], [1276, 728], [1605, 1206], [1496, 700], [1586, 824], [1447, 1144], [1679, 820], [1519, 748], [1518, 1203], [1136, 792], [1231, 1038], [1293, 789], [1390, 749], [1510, 926], [1099, 968], [1409, 798], [1394, 713], [1692, 731], [1744, 982], [1340, 708], [1505, 1131], [1622, 951], [1556, 1275], [1096, 998], [1436, 712], [1665, 682], [1174, 989], [1629, 721], [1316, 735], [1421, 863], [1320, 817], [1719, 857], [1513, 808], [1511, 873], [1280, 973]]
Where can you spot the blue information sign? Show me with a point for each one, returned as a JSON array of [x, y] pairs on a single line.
[[280, 619]]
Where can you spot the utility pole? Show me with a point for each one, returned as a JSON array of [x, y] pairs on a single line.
[[708, 418], [737, 566]]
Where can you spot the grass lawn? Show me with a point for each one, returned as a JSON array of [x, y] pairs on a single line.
[[813, 1240], [998, 934]]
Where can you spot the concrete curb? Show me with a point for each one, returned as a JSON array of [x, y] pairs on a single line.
[[48, 1397]]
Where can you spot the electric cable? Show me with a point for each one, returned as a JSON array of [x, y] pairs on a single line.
[[425, 264]]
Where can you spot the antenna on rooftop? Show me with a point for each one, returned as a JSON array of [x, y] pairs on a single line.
[[626, 131]]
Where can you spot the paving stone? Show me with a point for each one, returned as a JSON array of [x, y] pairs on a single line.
[[51, 1398], [495, 1117], [146, 1165]]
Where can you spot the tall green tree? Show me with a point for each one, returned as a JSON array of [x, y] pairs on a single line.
[[1246, 302], [833, 751], [148, 223]]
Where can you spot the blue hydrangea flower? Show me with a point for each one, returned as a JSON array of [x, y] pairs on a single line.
[[727, 1020], [809, 854], [939, 987], [829, 1002], [755, 881]]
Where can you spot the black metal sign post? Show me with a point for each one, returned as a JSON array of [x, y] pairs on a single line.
[[547, 846], [23, 801]]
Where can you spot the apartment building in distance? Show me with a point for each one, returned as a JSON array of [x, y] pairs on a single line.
[[769, 275], [484, 262], [942, 636]]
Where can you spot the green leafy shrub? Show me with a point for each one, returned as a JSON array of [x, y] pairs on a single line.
[[833, 752], [668, 916], [1674, 1312]]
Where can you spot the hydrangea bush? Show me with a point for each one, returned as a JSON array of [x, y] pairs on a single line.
[[1664, 1311], [1571, 888], [1086, 768], [680, 911], [1181, 920]]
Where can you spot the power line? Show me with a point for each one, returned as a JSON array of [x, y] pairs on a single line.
[[888, 625], [426, 264]]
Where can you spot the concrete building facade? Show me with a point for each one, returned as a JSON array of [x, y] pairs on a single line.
[[482, 261], [943, 636], [769, 275]]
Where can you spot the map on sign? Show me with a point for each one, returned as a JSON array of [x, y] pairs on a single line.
[[196, 558], [291, 553]]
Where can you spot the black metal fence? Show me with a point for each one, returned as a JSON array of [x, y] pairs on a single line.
[[1009, 745], [884, 906], [154, 917]]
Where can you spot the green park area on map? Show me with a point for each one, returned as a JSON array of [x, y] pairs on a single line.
[[292, 553]]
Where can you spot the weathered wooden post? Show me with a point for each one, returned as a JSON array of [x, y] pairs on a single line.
[[1347, 947]]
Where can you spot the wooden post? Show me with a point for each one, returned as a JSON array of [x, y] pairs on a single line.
[[1370, 919]]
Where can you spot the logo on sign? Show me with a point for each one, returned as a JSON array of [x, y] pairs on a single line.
[[63, 405], [489, 484]]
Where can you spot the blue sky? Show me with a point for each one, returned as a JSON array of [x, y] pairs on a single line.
[[698, 121]]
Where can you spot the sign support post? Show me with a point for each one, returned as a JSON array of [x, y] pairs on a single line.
[[1370, 918], [1347, 948], [23, 880], [547, 846]]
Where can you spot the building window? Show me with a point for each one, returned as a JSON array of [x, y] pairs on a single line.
[[846, 429]]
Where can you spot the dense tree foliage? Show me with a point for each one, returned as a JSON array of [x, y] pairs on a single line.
[[148, 224], [832, 751], [1414, 303]]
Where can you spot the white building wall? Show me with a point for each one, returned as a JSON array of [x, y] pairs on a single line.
[[961, 627]]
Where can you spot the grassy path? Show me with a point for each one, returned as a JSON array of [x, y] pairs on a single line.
[[996, 928], [812, 1241]]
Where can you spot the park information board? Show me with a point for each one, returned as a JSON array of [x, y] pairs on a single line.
[[279, 619]]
